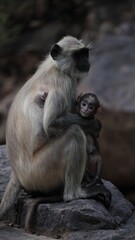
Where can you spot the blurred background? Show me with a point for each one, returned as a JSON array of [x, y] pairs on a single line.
[[27, 31]]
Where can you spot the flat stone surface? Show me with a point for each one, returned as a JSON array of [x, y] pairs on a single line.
[[13, 233], [95, 235], [125, 232]]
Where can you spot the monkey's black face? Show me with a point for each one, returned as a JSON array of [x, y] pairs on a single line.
[[81, 58]]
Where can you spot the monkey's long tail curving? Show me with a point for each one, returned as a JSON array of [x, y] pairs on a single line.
[[12, 190]]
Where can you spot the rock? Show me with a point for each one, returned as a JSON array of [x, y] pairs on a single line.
[[80, 215], [123, 233], [120, 208], [94, 235], [5, 169], [73, 216], [7, 232]]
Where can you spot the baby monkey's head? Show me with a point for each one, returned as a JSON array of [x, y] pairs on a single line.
[[88, 105]]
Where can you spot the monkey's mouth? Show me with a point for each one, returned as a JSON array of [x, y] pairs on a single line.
[[84, 67], [84, 114]]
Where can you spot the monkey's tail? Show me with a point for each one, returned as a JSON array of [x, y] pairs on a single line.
[[12, 190], [31, 215]]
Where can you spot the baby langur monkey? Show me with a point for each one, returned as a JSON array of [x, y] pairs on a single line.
[[87, 106]]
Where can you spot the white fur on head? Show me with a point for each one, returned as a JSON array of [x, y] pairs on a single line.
[[65, 61], [70, 43]]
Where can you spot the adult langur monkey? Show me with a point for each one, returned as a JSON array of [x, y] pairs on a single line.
[[43, 159]]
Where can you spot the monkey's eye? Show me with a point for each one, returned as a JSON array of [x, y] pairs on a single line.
[[91, 107], [84, 104]]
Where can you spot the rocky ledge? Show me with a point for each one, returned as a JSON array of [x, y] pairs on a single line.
[[79, 219]]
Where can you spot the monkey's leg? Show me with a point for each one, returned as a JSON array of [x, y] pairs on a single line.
[[89, 179], [71, 148], [100, 193], [96, 157], [75, 154], [61, 162], [9, 196]]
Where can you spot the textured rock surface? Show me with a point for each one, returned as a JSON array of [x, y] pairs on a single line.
[[80, 219], [12, 233], [5, 169], [126, 232]]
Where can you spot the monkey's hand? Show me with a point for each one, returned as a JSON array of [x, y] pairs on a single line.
[[100, 193]]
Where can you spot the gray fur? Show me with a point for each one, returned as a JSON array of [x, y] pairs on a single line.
[[40, 162]]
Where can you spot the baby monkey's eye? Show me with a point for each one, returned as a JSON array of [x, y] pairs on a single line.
[[91, 107], [84, 104]]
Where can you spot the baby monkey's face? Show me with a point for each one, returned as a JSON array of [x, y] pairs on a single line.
[[87, 107]]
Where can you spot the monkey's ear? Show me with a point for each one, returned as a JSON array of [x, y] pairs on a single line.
[[55, 51], [100, 108]]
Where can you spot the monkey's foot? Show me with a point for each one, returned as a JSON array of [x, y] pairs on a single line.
[[90, 180], [79, 193], [93, 182], [100, 193]]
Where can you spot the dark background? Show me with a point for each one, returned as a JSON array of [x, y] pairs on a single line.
[[27, 31]]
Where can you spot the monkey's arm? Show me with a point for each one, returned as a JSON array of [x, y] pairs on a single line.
[[56, 117], [55, 106], [67, 119]]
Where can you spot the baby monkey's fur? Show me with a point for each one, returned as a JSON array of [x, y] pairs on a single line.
[[87, 106]]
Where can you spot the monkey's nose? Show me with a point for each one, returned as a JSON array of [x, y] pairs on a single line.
[[86, 108]]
